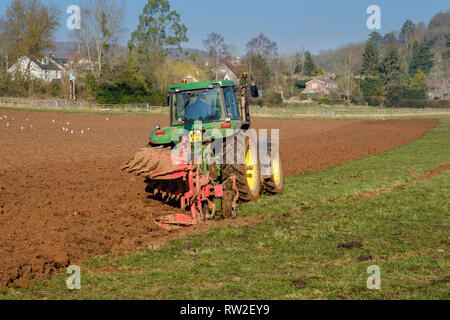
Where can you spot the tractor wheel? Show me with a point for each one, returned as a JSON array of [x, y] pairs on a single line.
[[275, 183], [248, 180]]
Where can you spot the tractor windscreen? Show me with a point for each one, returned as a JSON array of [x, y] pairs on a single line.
[[205, 105]]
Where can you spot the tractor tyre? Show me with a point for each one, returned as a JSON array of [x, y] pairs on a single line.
[[248, 180], [274, 184]]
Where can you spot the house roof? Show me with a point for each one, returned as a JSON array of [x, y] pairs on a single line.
[[47, 67], [60, 61]]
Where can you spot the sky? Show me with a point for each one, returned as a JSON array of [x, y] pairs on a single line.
[[293, 24]]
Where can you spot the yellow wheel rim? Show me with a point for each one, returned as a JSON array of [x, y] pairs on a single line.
[[252, 170], [276, 170]]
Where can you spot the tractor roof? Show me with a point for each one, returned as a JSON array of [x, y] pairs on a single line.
[[201, 85]]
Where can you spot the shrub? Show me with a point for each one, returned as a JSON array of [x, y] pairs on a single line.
[[394, 95], [414, 93], [322, 100], [423, 103], [55, 89], [356, 97], [272, 98], [376, 101]]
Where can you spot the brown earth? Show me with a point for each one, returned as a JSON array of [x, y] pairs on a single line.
[[63, 197]]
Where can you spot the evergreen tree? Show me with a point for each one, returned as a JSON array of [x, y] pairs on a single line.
[[370, 60], [389, 38], [310, 66], [376, 39], [390, 66], [407, 32], [159, 29], [422, 59]]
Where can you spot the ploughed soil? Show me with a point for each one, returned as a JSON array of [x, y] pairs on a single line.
[[63, 197]]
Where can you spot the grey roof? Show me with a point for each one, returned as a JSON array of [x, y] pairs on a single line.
[[47, 67]]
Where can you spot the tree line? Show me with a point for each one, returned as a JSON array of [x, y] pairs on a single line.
[[386, 68]]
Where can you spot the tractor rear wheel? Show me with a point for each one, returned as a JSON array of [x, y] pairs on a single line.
[[274, 184], [248, 180]]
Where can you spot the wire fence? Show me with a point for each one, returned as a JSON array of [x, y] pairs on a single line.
[[68, 104], [334, 112], [256, 111]]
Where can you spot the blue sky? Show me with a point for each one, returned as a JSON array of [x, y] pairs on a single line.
[[293, 24]]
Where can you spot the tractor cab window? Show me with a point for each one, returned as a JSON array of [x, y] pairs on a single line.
[[230, 102], [199, 105]]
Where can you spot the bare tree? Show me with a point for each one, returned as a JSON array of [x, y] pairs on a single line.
[[28, 28], [103, 23], [295, 62], [345, 61], [4, 63], [217, 50], [262, 45], [262, 59]]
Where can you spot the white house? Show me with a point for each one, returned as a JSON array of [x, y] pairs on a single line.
[[46, 69], [225, 72]]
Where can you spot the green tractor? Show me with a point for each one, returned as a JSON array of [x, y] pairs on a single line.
[[209, 152]]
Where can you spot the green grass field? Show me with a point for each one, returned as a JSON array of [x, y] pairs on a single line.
[[315, 241]]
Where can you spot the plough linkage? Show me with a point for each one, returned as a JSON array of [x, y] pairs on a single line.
[[198, 199]]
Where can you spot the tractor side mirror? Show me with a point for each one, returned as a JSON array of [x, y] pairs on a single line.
[[168, 101], [254, 91]]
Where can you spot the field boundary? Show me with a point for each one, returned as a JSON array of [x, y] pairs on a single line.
[[335, 112], [64, 104], [142, 108]]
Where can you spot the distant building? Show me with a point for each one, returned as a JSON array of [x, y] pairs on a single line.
[[47, 69], [226, 72], [322, 87]]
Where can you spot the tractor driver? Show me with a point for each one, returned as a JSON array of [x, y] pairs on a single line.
[[202, 108]]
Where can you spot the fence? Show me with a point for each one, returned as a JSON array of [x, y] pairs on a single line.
[[68, 104], [336, 112], [257, 111]]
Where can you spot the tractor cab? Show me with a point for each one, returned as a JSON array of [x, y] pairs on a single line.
[[220, 104], [206, 102]]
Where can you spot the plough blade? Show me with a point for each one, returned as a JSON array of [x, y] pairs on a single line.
[[175, 221], [154, 163]]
